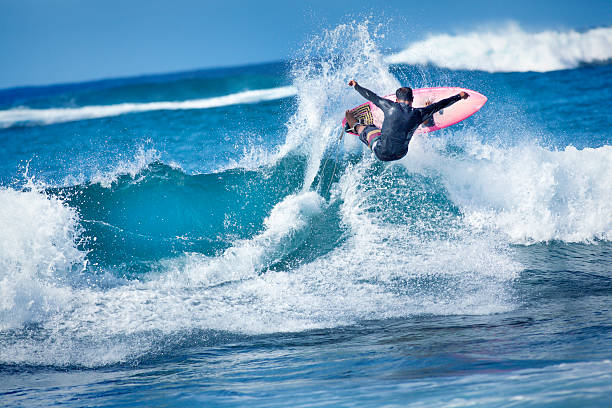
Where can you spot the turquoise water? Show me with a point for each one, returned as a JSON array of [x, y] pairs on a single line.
[[226, 248]]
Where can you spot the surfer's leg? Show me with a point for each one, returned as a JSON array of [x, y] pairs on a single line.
[[352, 122], [369, 135]]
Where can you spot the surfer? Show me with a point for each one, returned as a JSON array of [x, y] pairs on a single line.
[[401, 120]]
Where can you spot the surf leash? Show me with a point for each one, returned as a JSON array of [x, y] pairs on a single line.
[[335, 162]]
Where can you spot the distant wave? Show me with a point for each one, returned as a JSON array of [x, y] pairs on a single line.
[[510, 49], [11, 117]]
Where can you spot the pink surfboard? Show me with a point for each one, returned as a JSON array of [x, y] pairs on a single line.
[[444, 118]]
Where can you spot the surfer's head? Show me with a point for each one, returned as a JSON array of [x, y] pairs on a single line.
[[404, 94]]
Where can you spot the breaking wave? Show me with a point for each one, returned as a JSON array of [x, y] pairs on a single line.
[[510, 49], [49, 116]]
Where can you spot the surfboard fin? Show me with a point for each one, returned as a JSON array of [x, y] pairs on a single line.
[[348, 129]]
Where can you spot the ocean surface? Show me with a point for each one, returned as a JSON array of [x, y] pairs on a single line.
[[207, 239]]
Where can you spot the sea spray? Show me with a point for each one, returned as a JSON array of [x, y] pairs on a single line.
[[320, 75]]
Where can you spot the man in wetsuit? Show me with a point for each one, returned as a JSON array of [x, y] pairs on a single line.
[[401, 120]]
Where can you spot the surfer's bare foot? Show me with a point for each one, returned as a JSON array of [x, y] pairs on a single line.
[[350, 118], [352, 122]]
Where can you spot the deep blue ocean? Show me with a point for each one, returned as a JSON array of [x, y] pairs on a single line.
[[207, 239]]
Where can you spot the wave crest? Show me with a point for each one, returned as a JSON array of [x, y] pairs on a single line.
[[49, 116], [510, 49]]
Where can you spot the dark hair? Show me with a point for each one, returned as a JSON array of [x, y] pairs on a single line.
[[404, 94]]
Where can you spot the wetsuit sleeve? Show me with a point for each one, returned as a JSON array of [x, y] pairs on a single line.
[[382, 103], [428, 111]]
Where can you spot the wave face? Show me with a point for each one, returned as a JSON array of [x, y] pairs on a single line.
[[15, 116], [510, 49]]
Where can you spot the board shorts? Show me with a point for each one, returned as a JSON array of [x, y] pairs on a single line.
[[371, 136]]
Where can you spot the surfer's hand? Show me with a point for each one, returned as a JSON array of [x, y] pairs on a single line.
[[464, 95], [352, 82]]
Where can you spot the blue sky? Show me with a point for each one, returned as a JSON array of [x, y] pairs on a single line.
[[55, 41]]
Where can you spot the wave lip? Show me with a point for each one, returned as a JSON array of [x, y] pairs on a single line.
[[49, 116], [510, 49]]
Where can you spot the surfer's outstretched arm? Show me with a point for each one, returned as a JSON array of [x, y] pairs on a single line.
[[428, 111], [382, 103]]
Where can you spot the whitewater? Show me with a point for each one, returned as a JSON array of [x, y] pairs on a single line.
[[233, 248], [509, 48]]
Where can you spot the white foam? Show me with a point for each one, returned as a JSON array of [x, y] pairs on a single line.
[[478, 267], [510, 48], [57, 115], [528, 192], [38, 255]]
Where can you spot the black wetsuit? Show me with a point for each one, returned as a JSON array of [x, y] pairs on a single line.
[[401, 120]]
